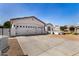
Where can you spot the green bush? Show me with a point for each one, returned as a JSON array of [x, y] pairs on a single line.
[[75, 33], [7, 24]]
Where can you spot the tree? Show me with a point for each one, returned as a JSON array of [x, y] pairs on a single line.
[[63, 28], [72, 29], [7, 24]]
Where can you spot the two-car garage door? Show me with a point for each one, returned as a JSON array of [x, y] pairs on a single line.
[[28, 31]]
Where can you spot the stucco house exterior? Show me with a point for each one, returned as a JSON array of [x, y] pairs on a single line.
[[77, 29], [52, 29], [27, 26], [49, 28], [33, 26]]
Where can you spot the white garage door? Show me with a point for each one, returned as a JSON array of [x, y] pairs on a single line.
[[28, 31], [20, 31], [25, 31]]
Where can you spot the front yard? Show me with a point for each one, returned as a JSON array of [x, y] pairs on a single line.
[[44, 45], [49, 45]]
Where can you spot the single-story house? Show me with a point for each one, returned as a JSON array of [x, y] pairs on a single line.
[[27, 26], [52, 29], [77, 29], [49, 28]]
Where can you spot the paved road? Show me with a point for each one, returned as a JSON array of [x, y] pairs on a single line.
[[43, 45]]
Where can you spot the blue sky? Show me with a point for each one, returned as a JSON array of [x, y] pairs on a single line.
[[61, 14]]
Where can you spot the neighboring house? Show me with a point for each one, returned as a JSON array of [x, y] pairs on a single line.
[[75, 26], [57, 30], [52, 29], [49, 28], [27, 26], [77, 29]]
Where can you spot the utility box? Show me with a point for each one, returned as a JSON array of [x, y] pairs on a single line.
[[0, 53], [3, 43]]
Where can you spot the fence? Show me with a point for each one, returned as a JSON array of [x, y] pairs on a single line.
[[5, 31]]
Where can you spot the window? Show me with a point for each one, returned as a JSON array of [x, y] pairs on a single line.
[[31, 26], [20, 26], [49, 28], [14, 25], [26, 26], [23, 26], [17, 26], [38, 27]]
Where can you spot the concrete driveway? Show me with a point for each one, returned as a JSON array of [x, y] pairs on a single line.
[[43, 45]]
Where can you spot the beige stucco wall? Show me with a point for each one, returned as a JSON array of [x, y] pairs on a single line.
[[27, 22], [77, 30]]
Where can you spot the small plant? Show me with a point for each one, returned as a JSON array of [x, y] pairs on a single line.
[[75, 33]]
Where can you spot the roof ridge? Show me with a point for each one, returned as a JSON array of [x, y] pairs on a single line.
[[28, 17]]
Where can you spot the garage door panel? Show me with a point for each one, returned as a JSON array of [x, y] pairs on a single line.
[[28, 31]]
